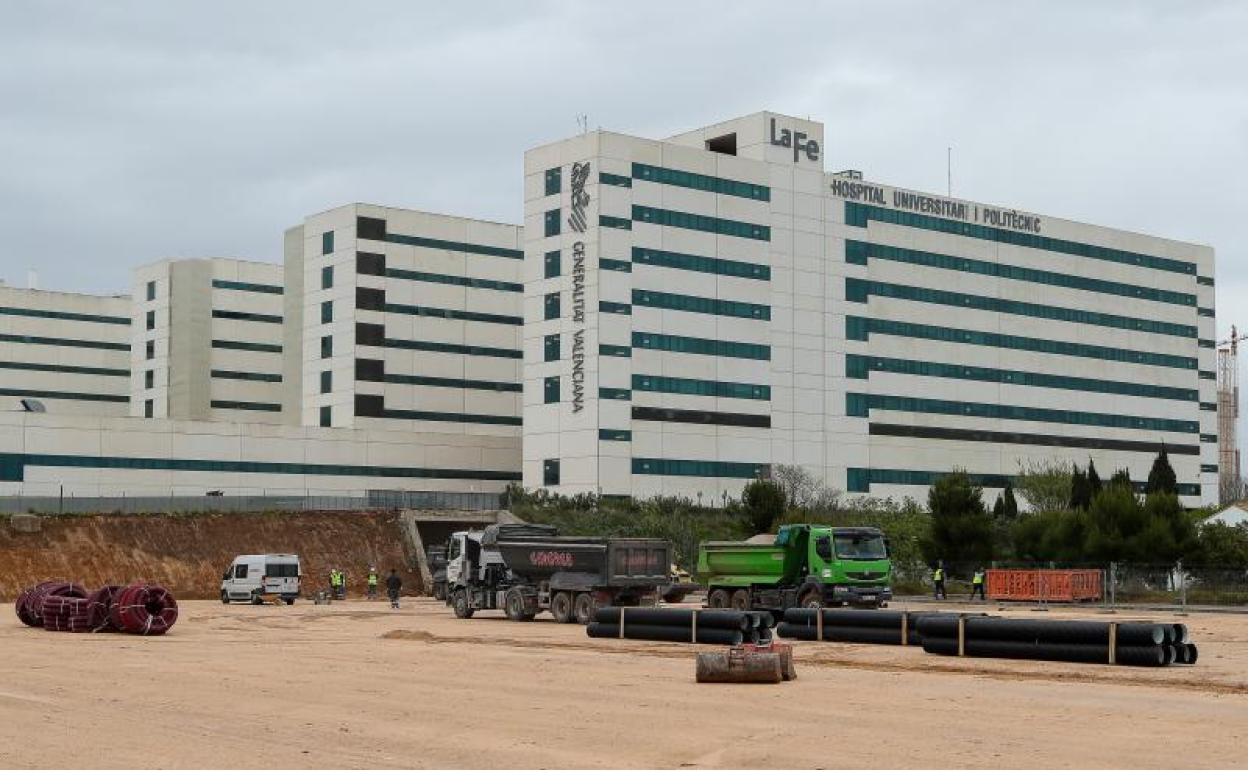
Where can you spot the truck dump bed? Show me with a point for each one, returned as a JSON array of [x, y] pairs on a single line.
[[536, 555]]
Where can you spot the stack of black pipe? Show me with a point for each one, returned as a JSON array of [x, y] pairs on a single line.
[[1076, 641], [673, 625], [861, 626]]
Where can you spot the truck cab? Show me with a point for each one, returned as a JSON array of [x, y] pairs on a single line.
[[254, 577], [807, 565]]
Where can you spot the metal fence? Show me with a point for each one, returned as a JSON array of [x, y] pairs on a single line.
[[366, 500], [1162, 585]]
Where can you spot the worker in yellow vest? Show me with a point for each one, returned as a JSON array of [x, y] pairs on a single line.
[[977, 584], [372, 583], [337, 583], [938, 580]]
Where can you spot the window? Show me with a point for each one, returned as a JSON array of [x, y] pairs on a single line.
[[367, 263], [552, 305], [691, 387], [149, 379], [616, 223], [238, 315], [553, 264], [554, 180], [701, 417], [327, 346], [151, 290], [327, 242], [240, 571], [615, 180], [552, 222], [700, 346], [551, 348], [149, 408], [150, 349], [370, 369], [550, 473], [151, 320], [609, 434], [705, 305], [646, 466], [327, 416], [327, 277], [701, 222], [327, 312], [714, 184], [258, 288], [615, 308], [700, 264], [618, 265], [370, 299], [615, 394], [327, 381], [857, 290], [371, 228], [551, 390]]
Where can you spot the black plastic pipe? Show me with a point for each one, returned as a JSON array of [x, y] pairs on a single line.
[[664, 633], [1134, 655], [735, 620], [1044, 631], [851, 634]]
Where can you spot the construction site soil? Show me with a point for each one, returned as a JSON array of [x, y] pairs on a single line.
[[188, 553], [355, 684]]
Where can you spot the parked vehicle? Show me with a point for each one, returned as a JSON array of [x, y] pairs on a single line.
[[525, 569], [808, 565], [435, 555], [254, 577]]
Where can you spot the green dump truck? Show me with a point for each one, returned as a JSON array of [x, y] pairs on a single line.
[[808, 565]]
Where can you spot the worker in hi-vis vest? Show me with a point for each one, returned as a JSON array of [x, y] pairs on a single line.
[[977, 584], [372, 583], [938, 580]]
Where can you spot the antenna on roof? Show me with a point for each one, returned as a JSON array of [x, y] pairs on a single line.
[[582, 122]]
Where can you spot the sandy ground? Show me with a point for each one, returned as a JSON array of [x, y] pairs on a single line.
[[356, 685]]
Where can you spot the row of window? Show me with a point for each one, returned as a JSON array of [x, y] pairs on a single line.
[[64, 395], [1204, 281], [226, 374], [367, 263], [450, 382], [701, 222], [100, 371], [236, 315], [859, 252], [713, 469], [860, 329], [255, 347], [246, 406], [374, 229], [453, 315], [701, 346], [690, 304], [1205, 312], [858, 290], [615, 180], [1205, 468], [615, 223], [692, 181], [701, 417], [615, 351], [700, 264], [611, 434], [62, 342], [615, 394], [692, 387], [65, 316], [861, 479], [1207, 375], [617, 265], [375, 335], [861, 404], [615, 308], [1208, 438], [258, 288], [1029, 439], [12, 467], [374, 406], [859, 214], [860, 367]]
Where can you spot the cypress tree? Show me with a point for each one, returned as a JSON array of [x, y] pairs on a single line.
[[1094, 479], [1161, 478]]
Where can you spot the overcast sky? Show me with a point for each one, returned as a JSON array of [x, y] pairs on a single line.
[[136, 131]]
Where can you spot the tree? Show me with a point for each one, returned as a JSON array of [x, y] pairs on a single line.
[[1011, 504], [961, 529], [1161, 478], [1080, 490], [1094, 480], [998, 508], [1044, 484], [803, 489], [1121, 478], [764, 504]]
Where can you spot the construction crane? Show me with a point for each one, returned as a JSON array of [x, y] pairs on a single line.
[[1230, 483]]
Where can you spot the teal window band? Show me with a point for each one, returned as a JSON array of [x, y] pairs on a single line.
[[700, 264], [63, 342], [235, 315], [62, 395], [859, 329], [617, 265], [858, 290], [861, 367], [615, 394], [248, 406], [256, 347], [714, 469], [701, 222], [616, 223], [692, 181], [65, 316], [700, 346], [861, 405], [618, 308], [861, 479], [467, 248], [616, 351], [860, 214], [99, 371], [608, 434], [859, 252], [453, 280], [258, 288], [453, 315], [449, 382], [226, 374], [705, 305], [691, 387], [615, 180]]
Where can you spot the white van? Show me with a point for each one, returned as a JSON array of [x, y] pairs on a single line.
[[253, 577]]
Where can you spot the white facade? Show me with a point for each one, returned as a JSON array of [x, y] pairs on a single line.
[[737, 307], [70, 352]]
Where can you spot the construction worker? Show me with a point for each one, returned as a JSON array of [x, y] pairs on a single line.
[[372, 583], [938, 579], [394, 584], [336, 583], [977, 584]]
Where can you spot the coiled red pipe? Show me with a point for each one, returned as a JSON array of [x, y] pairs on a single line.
[[145, 610], [99, 607], [65, 613]]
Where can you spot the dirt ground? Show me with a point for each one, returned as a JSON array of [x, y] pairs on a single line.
[[356, 685]]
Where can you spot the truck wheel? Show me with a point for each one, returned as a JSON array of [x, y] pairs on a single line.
[[257, 598], [811, 600], [513, 605], [439, 592], [718, 599], [289, 602], [740, 600], [561, 607], [583, 608], [225, 597], [462, 610]]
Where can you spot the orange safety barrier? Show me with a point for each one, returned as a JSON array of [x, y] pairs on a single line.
[[1054, 585]]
